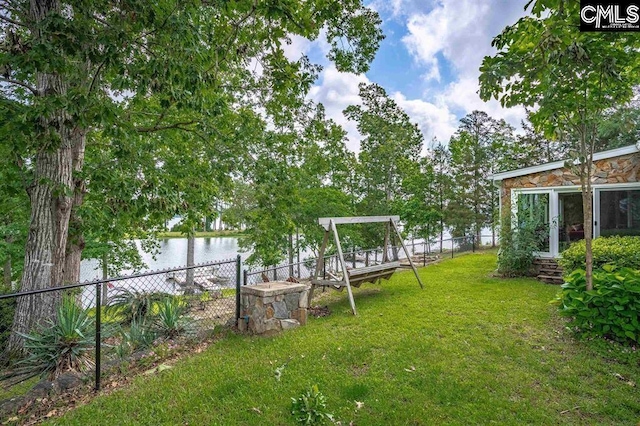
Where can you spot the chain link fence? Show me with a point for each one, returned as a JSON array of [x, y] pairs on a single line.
[[189, 300], [207, 295]]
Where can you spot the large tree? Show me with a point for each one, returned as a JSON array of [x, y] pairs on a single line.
[[131, 68], [570, 78], [389, 153], [470, 164]]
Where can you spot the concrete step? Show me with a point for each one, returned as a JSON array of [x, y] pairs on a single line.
[[550, 279]]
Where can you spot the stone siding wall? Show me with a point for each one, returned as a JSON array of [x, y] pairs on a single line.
[[622, 169]]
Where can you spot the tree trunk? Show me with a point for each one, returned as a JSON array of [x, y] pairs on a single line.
[[105, 275], [51, 201], [291, 273], [46, 243], [191, 241]]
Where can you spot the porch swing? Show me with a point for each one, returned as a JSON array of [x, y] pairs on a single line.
[[356, 276]]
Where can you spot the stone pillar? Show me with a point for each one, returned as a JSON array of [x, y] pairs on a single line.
[[270, 307]]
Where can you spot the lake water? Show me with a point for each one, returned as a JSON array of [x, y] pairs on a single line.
[[173, 253]]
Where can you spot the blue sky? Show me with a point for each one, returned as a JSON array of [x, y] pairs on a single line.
[[428, 62]]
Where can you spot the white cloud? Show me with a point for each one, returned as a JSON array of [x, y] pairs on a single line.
[[460, 33], [434, 120], [336, 91], [447, 40], [462, 95]]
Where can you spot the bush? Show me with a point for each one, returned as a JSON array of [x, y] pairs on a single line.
[[624, 252], [517, 246], [137, 336], [132, 305], [171, 320], [65, 344], [611, 309]]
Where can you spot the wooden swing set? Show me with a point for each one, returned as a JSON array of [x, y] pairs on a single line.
[[356, 276]]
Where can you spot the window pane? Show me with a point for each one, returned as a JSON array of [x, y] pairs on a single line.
[[570, 220], [533, 216], [620, 212]]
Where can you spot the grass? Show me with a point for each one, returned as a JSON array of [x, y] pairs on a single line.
[[201, 234], [468, 349]]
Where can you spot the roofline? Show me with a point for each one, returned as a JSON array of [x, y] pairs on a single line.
[[631, 149]]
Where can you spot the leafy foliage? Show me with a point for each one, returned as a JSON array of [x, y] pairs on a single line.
[[138, 336], [66, 343], [133, 305], [611, 309], [310, 408], [518, 244], [171, 320], [619, 250]]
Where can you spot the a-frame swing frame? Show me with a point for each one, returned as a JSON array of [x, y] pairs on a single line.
[[358, 275]]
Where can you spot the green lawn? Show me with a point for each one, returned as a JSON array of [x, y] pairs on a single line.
[[468, 349]]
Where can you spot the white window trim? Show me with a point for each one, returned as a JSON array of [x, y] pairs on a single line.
[[553, 192]]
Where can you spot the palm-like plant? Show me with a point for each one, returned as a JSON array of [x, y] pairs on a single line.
[[171, 320], [133, 305], [64, 344]]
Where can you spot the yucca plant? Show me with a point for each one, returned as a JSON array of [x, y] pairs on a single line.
[[133, 305], [139, 335], [60, 345], [171, 319]]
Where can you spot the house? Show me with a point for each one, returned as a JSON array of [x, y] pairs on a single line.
[[553, 191]]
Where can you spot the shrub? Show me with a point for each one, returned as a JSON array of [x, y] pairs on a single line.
[[171, 320], [517, 246], [310, 408], [65, 344], [132, 305], [618, 250], [611, 309], [137, 336]]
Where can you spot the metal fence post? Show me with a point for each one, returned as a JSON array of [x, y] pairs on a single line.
[[245, 277], [452, 241], [238, 283], [353, 253], [473, 243], [424, 255], [98, 336]]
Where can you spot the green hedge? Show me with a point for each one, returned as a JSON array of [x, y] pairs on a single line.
[[621, 251], [611, 309]]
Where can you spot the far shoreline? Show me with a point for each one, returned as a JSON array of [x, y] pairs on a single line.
[[201, 234]]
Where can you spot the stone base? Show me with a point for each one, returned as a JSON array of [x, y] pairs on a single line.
[[274, 306]]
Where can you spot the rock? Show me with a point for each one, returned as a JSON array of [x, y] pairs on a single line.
[[270, 312], [68, 381], [11, 406], [304, 299], [300, 315], [41, 389], [280, 308], [288, 324], [291, 301]]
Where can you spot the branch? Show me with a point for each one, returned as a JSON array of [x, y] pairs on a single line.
[[95, 76], [21, 84], [11, 21], [157, 128]]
